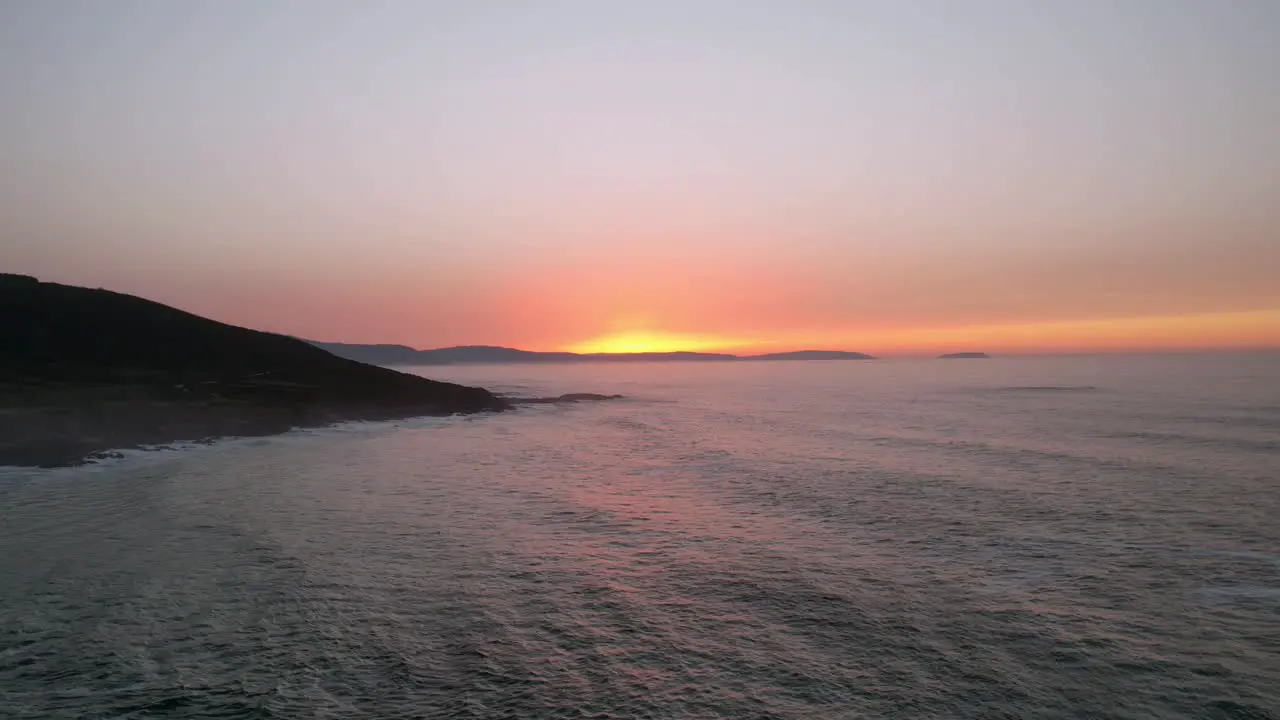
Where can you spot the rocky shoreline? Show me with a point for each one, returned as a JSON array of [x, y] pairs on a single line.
[[49, 426], [85, 372], [57, 427]]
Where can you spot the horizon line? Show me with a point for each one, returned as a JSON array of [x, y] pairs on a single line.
[[891, 354]]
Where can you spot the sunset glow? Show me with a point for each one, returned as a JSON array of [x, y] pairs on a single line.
[[656, 342], [1256, 329], [1208, 331]]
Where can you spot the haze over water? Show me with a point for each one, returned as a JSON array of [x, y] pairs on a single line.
[[1067, 537]]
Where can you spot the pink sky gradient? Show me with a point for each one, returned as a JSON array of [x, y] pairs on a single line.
[[876, 176]]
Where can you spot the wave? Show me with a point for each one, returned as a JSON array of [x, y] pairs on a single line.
[[1183, 439], [131, 456], [1043, 389]]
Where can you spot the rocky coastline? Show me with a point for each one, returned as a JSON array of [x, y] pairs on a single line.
[[85, 371]]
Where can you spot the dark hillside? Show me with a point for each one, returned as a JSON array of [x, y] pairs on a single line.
[[79, 354]]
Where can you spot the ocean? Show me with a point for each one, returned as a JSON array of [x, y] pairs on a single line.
[[1070, 537]]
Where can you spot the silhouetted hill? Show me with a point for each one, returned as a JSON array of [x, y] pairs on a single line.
[[121, 371], [376, 354], [964, 356], [478, 354], [401, 355], [812, 355]]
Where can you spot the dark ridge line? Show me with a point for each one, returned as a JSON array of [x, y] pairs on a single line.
[[486, 354]]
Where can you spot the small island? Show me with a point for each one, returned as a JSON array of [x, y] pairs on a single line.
[[965, 356]]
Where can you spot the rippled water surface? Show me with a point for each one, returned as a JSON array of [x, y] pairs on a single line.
[[1084, 537]]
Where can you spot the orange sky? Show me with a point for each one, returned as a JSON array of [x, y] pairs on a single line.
[[1208, 331]]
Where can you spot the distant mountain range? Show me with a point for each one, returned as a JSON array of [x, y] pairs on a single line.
[[478, 354]]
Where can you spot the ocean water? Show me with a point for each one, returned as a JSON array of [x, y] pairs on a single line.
[[1018, 538]]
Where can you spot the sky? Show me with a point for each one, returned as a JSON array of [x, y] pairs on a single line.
[[892, 176]]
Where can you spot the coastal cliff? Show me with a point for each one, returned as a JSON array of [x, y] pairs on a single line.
[[84, 371]]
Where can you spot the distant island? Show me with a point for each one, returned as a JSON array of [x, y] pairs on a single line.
[[84, 371], [964, 356], [484, 354], [810, 355]]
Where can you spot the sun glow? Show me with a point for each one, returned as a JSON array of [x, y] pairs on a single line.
[[1248, 329], [655, 342]]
